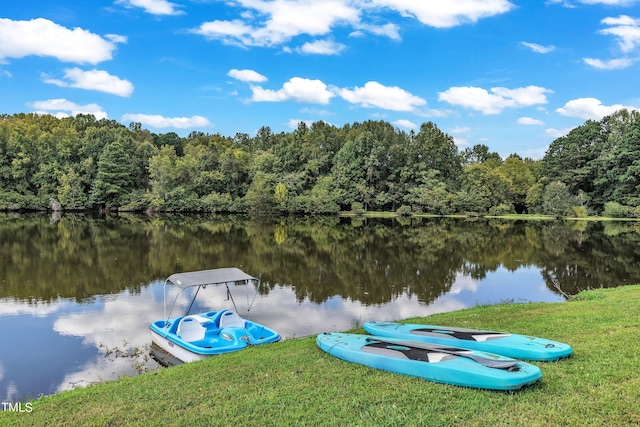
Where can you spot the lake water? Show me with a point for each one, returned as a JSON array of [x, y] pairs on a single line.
[[77, 292]]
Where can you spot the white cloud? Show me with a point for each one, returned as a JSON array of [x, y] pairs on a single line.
[[569, 4], [63, 108], [564, 3], [405, 124], [500, 98], [557, 133], [524, 96], [457, 131], [41, 37], [538, 48], [473, 97], [154, 7], [625, 29], [386, 30], [627, 32], [231, 32], [322, 47], [460, 129], [247, 76], [529, 121], [317, 112], [158, 121], [612, 64], [610, 2], [94, 80], [621, 20], [460, 142], [296, 89], [590, 109], [116, 38], [447, 13], [373, 94], [276, 22]]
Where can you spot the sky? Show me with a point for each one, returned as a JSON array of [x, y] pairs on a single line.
[[512, 75]]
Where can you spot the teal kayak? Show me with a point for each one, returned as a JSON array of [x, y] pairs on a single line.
[[511, 345], [442, 364]]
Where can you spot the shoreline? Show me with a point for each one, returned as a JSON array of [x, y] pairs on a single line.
[[293, 382]]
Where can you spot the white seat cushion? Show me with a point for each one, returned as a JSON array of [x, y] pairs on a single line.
[[190, 329]]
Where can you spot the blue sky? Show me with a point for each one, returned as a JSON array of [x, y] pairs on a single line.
[[513, 75]]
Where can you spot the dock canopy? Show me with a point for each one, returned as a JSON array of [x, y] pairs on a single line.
[[209, 277]]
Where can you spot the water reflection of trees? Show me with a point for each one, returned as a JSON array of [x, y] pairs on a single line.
[[369, 260]]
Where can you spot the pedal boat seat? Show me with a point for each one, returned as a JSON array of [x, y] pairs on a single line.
[[190, 329]]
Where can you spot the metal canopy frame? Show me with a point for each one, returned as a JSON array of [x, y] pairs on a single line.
[[202, 278], [218, 276]]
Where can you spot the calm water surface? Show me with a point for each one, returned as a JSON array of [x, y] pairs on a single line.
[[76, 291]]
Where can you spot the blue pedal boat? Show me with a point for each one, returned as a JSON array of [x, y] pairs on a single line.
[[194, 337]]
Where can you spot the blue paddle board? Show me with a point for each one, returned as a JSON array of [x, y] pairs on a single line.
[[511, 345], [442, 364]]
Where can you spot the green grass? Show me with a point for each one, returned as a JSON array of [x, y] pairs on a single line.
[[295, 383]]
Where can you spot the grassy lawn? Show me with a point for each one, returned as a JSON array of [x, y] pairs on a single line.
[[295, 383]]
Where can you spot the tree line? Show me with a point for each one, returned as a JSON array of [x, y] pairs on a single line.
[[81, 163]]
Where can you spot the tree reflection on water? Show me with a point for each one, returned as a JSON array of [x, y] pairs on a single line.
[[372, 261]]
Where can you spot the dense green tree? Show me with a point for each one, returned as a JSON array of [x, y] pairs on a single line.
[[264, 139], [570, 159], [57, 150], [323, 142], [71, 191], [437, 150], [599, 159], [260, 197], [5, 164], [479, 153], [289, 151], [92, 145], [470, 201], [618, 164], [535, 197], [235, 165], [485, 184], [558, 200], [162, 173], [430, 195], [322, 198], [171, 139], [281, 196], [113, 181], [22, 154], [360, 170], [520, 179], [80, 161], [348, 173], [266, 162]]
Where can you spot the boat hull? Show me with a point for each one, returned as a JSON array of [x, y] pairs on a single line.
[[196, 337], [172, 353], [399, 356], [511, 345]]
